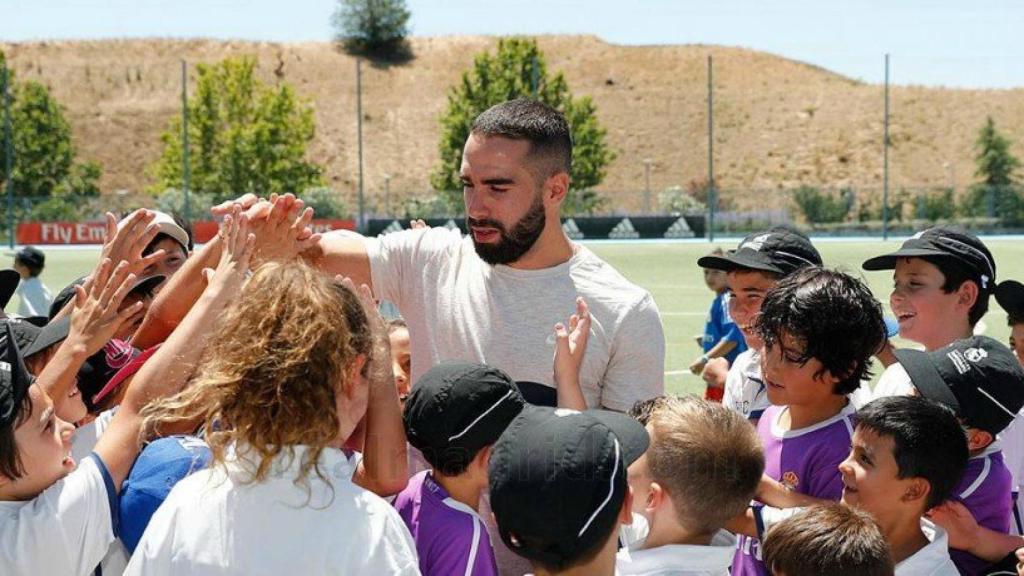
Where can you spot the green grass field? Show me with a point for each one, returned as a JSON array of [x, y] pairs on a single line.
[[670, 273]]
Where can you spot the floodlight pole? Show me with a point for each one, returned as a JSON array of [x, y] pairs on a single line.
[[359, 140], [711, 154], [8, 155], [186, 174], [885, 159]]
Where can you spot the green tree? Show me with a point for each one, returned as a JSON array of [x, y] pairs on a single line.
[[515, 70], [372, 27], [44, 170], [244, 136], [996, 164]]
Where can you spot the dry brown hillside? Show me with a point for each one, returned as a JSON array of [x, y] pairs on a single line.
[[779, 123]]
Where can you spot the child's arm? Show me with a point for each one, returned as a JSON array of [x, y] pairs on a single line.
[[570, 346], [169, 369], [722, 348], [965, 533], [384, 469], [773, 493], [93, 323]]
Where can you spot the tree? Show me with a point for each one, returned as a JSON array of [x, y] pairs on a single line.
[[44, 168], [372, 27], [244, 136], [995, 162], [515, 70]]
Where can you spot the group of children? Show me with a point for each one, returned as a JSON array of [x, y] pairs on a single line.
[[256, 416]]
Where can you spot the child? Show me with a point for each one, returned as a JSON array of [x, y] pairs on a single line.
[[827, 539], [175, 241], [558, 487], [282, 386], [701, 469], [942, 277], [454, 415], [982, 382], [721, 339], [806, 432], [401, 357], [756, 266], [33, 296], [59, 519], [1010, 295]]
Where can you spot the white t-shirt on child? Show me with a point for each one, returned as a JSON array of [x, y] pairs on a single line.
[[65, 530], [460, 308]]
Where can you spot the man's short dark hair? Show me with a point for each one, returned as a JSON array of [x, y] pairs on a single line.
[[833, 315], [1014, 317], [955, 274], [544, 127], [928, 441], [827, 539]]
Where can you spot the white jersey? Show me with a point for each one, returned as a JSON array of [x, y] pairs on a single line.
[[933, 559], [745, 391], [460, 308], [675, 560], [214, 522]]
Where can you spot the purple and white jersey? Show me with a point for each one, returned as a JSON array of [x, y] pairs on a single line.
[[806, 460], [450, 536], [986, 490]]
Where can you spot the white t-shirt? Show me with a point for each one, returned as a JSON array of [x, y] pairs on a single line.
[[933, 559], [894, 381], [1012, 441], [675, 560], [65, 530], [213, 522], [460, 308], [744, 388], [33, 297]]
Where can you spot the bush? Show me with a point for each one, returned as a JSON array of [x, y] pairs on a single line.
[[934, 206], [326, 203], [1003, 202], [375, 28], [677, 201], [820, 208]]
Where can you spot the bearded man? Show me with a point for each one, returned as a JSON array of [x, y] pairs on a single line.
[[495, 295]]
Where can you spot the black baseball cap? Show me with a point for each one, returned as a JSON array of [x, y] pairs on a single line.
[[558, 480], [979, 378], [66, 295], [1010, 295], [9, 280], [457, 408], [14, 378], [945, 243], [780, 250], [33, 339], [30, 256]]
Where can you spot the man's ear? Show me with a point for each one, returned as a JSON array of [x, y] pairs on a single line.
[[978, 439], [967, 295], [556, 188], [917, 489]]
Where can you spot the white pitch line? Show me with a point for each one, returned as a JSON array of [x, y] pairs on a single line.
[[684, 313]]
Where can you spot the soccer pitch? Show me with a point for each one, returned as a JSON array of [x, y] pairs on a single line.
[[669, 271]]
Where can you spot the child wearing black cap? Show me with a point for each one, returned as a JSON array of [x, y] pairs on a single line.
[[456, 412], [754, 268], [33, 296], [1010, 295], [806, 432], [558, 487]]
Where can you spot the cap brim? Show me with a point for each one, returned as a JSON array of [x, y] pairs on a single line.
[[129, 370], [736, 261], [926, 378], [9, 280], [52, 333], [888, 261], [538, 394], [1010, 295], [148, 284], [633, 437]]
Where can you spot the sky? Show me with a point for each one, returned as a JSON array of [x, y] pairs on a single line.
[[961, 43]]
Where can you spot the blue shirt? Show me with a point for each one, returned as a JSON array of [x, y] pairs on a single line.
[[719, 326]]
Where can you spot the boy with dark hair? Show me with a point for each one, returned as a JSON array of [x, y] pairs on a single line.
[[806, 432], [33, 296], [174, 238], [701, 469], [454, 415], [754, 268], [559, 490], [827, 538], [1010, 295]]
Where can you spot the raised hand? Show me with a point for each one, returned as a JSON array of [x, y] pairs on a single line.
[[379, 367], [95, 317], [570, 347], [127, 240], [237, 247], [284, 233]]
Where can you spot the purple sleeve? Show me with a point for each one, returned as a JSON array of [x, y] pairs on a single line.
[[825, 480], [461, 548]]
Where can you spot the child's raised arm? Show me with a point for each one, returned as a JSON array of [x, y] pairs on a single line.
[[570, 346]]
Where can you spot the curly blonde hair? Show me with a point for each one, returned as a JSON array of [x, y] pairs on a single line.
[[269, 377]]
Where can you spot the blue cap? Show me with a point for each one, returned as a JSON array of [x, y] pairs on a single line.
[[892, 327], [158, 468]]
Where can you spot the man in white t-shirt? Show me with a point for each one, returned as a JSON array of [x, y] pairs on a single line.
[[494, 296]]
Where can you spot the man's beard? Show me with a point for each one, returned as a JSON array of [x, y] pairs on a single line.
[[514, 244]]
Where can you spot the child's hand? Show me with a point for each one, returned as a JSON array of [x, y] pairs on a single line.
[[715, 372], [570, 346], [698, 365], [379, 368], [958, 523], [238, 245], [284, 233], [127, 242], [95, 317]]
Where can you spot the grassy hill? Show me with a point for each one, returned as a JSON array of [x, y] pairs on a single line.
[[779, 123]]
